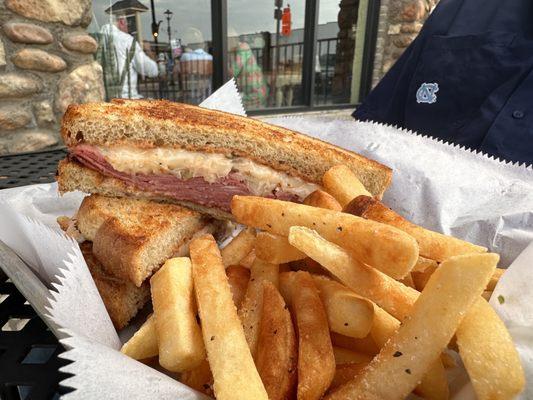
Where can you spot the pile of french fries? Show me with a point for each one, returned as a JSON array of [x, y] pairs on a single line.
[[336, 298]]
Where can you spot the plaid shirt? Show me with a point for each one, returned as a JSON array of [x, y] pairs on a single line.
[[249, 77]]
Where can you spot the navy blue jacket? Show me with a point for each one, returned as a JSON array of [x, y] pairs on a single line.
[[467, 78]]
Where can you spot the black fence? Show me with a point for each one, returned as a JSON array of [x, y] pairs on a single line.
[[191, 82]]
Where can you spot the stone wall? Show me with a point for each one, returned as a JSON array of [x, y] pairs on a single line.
[[399, 23], [46, 63]]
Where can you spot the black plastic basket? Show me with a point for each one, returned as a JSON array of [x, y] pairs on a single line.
[[29, 351]]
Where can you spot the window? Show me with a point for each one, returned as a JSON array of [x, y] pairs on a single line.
[[169, 59], [265, 59], [337, 35], [169, 48]]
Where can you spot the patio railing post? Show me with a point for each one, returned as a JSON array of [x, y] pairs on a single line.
[[219, 25], [309, 56], [372, 19]]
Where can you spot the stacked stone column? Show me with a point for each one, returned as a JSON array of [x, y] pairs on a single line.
[[46, 63], [400, 21], [347, 20]]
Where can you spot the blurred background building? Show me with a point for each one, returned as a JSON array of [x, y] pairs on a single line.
[[285, 56]]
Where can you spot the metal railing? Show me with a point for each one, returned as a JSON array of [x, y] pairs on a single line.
[[190, 87], [332, 85], [282, 79]]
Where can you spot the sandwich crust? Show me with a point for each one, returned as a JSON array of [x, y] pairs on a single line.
[[121, 298], [160, 123], [143, 218]]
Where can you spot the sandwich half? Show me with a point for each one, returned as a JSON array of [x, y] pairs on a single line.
[[132, 238], [124, 241], [198, 158]]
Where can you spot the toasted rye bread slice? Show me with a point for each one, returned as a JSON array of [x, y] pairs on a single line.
[[96, 209], [160, 123], [122, 299], [132, 238], [73, 176]]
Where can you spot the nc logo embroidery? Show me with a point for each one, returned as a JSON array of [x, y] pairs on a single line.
[[426, 93]]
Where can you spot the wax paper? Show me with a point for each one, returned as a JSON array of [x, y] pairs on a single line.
[[439, 186]]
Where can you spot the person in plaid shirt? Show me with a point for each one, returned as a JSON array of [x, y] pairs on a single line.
[[249, 77]]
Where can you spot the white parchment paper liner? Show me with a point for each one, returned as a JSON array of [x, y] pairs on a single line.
[[439, 186]]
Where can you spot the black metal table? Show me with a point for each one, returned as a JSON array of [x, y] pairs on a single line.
[[29, 351]]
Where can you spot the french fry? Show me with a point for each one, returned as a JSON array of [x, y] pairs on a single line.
[[341, 183], [486, 295], [407, 280], [239, 247], [322, 199], [434, 384], [384, 326], [348, 313], [234, 372], [447, 360], [489, 355], [366, 345], [248, 260], [345, 373], [277, 353], [344, 356], [424, 263], [64, 221], [286, 283], [178, 335], [316, 362], [252, 304], [143, 344], [238, 278], [405, 358], [433, 245], [199, 378], [309, 265], [384, 247], [394, 297], [285, 267], [152, 362], [495, 278], [276, 249], [421, 278]]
